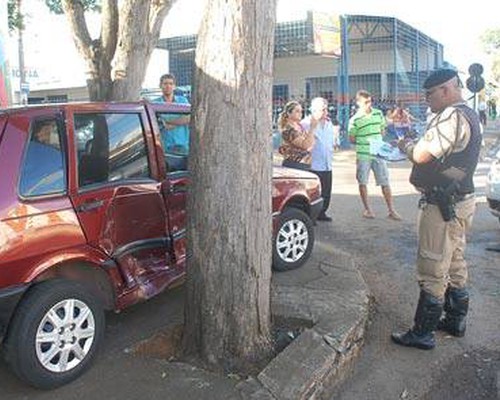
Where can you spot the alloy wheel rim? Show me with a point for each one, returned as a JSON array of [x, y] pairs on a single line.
[[292, 240], [65, 335]]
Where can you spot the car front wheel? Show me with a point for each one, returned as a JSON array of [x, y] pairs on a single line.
[[54, 334], [293, 241]]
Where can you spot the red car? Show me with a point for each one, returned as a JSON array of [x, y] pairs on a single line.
[[92, 218]]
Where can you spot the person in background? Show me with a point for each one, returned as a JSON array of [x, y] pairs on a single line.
[[297, 142], [444, 161], [322, 151], [174, 129], [367, 125], [483, 118], [43, 132], [492, 108], [167, 86], [399, 121], [336, 134]]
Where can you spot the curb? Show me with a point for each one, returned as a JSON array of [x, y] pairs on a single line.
[[336, 303]]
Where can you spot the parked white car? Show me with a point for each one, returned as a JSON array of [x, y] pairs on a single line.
[[493, 187]]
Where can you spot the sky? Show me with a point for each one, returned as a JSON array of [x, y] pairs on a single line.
[[457, 26]]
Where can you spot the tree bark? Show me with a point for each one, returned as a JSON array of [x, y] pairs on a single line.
[[127, 39], [227, 312]]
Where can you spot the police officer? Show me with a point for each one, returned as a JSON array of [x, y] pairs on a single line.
[[444, 161]]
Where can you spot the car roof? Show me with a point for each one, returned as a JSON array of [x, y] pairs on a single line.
[[98, 105]]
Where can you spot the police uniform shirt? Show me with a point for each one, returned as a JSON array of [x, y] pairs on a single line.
[[447, 132]]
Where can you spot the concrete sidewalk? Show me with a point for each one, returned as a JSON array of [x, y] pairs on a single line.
[[327, 293], [330, 293]]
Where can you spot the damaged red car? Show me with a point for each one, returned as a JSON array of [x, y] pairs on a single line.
[[93, 218]]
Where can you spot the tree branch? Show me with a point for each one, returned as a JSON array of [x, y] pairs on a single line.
[[140, 25], [158, 12], [109, 28], [75, 14]]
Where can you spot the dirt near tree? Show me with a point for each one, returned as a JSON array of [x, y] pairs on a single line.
[[166, 344]]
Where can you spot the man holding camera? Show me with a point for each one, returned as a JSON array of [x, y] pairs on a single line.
[[444, 161]]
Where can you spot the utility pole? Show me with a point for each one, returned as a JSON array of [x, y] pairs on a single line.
[[5, 88], [23, 85]]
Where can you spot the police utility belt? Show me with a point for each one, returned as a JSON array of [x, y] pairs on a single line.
[[444, 201]]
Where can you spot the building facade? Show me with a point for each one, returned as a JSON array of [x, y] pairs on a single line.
[[383, 55]]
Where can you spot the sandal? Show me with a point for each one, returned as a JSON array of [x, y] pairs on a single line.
[[394, 216], [368, 214]]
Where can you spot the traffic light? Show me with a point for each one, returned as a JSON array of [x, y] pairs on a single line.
[[475, 82]]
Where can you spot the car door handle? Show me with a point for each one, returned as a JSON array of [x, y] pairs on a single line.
[[91, 205]]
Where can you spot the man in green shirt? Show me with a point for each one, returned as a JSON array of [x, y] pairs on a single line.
[[365, 127]]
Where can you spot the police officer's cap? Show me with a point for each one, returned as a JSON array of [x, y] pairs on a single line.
[[439, 76]]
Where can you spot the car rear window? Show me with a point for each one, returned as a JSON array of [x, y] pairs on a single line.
[[43, 171]]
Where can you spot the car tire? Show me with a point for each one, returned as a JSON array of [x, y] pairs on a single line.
[[293, 241], [45, 346]]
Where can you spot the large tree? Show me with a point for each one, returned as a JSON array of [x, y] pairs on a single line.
[[491, 41], [116, 61], [227, 312]]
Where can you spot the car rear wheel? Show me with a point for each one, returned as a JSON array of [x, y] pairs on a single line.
[[54, 334], [294, 240]]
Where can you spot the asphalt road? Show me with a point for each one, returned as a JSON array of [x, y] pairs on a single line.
[[458, 369], [122, 331]]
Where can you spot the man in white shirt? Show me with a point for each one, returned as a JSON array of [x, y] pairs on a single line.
[[322, 152]]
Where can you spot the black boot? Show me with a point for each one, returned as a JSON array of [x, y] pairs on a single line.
[[427, 316], [456, 306]]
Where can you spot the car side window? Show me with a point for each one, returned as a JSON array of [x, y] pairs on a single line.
[[43, 170], [174, 132], [111, 147]]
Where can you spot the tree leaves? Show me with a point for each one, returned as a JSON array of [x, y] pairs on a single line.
[[88, 5], [491, 41], [16, 20]]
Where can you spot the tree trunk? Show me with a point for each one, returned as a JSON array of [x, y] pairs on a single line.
[[96, 53], [227, 312], [134, 47]]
